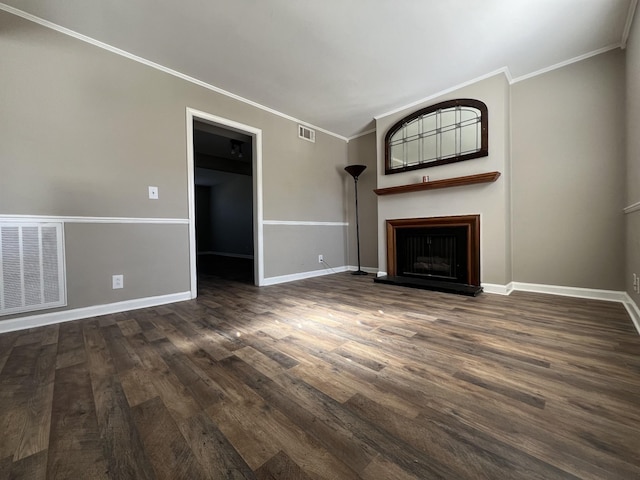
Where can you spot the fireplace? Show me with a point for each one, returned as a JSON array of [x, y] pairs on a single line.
[[438, 253]]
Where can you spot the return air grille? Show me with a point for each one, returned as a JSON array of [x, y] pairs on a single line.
[[306, 133], [31, 267]]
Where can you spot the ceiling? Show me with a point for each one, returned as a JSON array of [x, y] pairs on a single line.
[[216, 148], [336, 64], [216, 141]]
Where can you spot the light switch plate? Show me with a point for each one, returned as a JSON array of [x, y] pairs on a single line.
[[117, 281], [153, 193]]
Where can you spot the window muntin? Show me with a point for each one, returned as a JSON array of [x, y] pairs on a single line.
[[446, 132]]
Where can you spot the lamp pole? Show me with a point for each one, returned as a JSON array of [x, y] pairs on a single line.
[[355, 171]]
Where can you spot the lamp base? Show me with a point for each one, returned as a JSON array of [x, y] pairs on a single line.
[[359, 272]]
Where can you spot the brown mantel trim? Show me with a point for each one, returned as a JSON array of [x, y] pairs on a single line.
[[446, 183]]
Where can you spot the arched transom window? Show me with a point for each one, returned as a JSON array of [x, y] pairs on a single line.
[[446, 132]]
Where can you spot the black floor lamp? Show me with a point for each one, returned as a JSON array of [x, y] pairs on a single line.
[[355, 171]]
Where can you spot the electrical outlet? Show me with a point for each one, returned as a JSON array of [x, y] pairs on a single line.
[[153, 193], [117, 281], [320, 258]]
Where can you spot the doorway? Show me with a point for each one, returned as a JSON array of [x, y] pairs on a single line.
[[225, 200]]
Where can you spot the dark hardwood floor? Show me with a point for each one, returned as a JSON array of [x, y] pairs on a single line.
[[228, 268], [333, 377]]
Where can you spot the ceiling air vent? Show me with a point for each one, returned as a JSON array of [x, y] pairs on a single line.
[[306, 133]]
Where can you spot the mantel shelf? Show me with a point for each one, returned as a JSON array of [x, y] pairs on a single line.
[[445, 183]]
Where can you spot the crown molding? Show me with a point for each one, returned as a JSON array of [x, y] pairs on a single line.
[[361, 134], [507, 74], [504, 71], [565, 63], [157, 66]]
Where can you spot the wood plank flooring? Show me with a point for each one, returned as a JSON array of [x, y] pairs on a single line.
[[327, 378]]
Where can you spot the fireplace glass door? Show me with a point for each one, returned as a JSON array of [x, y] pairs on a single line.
[[437, 253]]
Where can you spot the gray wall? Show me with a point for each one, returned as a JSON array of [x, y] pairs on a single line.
[[362, 151], [144, 254], [490, 200], [85, 131], [231, 211], [632, 260], [304, 179], [231, 214], [568, 175], [283, 257], [555, 215]]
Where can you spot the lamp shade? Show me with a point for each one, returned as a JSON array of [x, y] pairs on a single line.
[[355, 170]]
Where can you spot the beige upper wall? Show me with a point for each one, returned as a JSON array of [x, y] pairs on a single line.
[[84, 132], [87, 131], [145, 255], [362, 151], [632, 259], [302, 180], [558, 140], [568, 175], [490, 201], [633, 112]]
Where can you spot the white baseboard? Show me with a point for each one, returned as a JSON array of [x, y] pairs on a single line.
[[354, 268], [634, 311], [43, 319], [578, 292], [316, 273], [497, 289], [301, 276]]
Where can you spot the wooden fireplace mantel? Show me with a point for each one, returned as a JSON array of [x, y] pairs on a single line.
[[445, 183]]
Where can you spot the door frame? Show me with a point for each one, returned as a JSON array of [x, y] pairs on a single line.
[[258, 247]]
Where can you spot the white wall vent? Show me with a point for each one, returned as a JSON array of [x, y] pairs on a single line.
[[32, 273], [306, 133]]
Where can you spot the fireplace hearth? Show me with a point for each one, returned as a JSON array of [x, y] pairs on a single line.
[[437, 253]]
